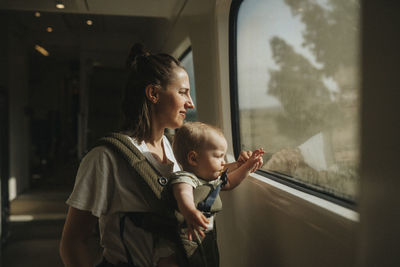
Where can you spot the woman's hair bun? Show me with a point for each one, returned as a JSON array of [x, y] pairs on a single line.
[[137, 50]]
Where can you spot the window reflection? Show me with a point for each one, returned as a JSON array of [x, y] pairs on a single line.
[[298, 82]]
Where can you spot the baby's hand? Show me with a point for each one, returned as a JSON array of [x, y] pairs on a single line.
[[196, 221], [252, 159]]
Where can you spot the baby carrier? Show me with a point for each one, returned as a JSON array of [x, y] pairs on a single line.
[[165, 221]]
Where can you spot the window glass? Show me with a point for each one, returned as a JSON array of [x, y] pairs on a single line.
[[298, 90], [187, 63]]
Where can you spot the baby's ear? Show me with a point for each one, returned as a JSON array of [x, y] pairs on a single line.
[[192, 158]]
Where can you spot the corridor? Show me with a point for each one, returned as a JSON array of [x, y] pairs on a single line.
[[36, 221]]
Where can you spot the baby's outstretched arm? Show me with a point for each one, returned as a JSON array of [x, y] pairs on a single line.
[[245, 155], [248, 162], [194, 218]]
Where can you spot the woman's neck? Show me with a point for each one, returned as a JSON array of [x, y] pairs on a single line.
[[155, 145]]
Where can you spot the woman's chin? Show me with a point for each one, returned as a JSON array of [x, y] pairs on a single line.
[[177, 124]]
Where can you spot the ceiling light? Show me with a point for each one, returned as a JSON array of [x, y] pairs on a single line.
[[41, 50], [37, 14], [49, 29], [89, 22], [60, 4]]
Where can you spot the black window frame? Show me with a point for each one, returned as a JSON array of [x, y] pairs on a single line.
[[235, 121], [180, 58], [185, 53]]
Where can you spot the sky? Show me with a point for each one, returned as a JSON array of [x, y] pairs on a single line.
[[258, 22]]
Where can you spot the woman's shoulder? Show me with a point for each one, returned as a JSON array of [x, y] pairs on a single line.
[[99, 150], [101, 154]]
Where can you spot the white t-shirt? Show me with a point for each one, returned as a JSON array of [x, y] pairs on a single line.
[[105, 186]]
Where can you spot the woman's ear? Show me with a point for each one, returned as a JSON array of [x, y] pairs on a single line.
[[192, 158], [151, 92]]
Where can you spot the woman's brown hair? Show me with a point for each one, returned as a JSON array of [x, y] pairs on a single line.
[[145, 69]]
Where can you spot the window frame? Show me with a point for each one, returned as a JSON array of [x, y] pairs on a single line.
[[185, 53], [235, 121], [180, 58]]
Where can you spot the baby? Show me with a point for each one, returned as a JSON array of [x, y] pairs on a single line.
[[200, 149]]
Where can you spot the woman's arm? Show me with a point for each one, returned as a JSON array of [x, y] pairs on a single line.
[[78, 228]]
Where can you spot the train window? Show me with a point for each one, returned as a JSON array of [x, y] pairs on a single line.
[[297, 87], [187, 62]]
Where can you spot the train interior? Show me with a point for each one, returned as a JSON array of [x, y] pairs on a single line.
[[63, 71]]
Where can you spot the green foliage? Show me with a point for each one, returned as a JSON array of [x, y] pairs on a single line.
[[331, 31], [331, 34], [299, 87]]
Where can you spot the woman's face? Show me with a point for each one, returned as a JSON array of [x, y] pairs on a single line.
[[174, 101]]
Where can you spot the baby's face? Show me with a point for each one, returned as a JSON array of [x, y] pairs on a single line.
[[211, 158]]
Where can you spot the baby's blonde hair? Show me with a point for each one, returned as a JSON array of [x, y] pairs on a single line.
[[192, 136]]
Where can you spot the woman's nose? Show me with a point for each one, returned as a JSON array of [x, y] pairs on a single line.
[[189, 103]]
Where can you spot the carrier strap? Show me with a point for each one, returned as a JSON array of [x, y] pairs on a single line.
[[162, 221], [123, 145], [205, 205], [135, 158]]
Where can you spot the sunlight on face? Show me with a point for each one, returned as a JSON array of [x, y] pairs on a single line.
[[174, 101], [211, 157]]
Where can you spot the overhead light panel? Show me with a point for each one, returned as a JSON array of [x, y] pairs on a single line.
[[37, 14], [60, 4], [41, 50]]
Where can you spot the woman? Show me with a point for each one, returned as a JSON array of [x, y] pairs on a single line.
[[156, 97]]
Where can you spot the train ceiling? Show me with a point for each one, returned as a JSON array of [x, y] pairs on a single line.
[[116, 25]]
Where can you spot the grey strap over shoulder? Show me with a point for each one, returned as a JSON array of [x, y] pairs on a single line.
[[156, 185], [136, 160]]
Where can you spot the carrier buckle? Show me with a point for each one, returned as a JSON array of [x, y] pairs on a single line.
[[162, 181]]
